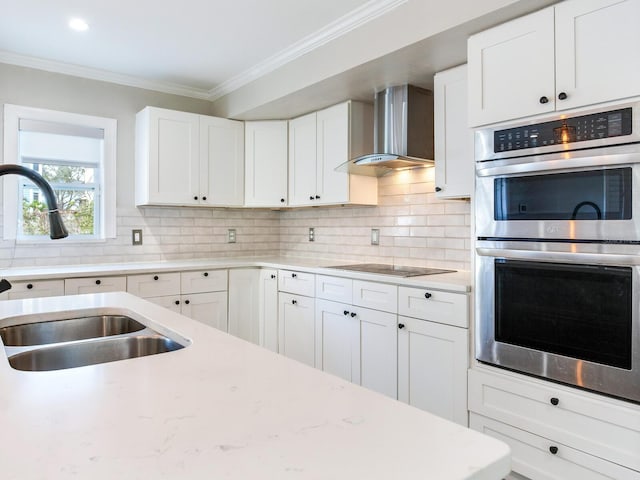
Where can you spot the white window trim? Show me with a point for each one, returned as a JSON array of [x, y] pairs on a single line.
[[12, 116]]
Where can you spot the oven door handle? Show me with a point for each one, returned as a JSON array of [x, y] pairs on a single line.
[[559, 161], [564, 257]]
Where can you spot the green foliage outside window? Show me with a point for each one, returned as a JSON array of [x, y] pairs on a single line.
[[76, 204]]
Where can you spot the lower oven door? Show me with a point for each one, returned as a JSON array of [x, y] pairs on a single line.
[[564, 312]]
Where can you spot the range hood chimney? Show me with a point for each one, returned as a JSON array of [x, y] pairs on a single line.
[[403, 132]]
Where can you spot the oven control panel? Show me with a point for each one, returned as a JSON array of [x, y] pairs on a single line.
[[614, 123]]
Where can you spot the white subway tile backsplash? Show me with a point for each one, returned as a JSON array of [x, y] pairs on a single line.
[[416, 229]]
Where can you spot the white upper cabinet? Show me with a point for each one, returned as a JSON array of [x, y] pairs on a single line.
[[188, 159], [221, 162], [576, 53], [266, 164], [596, 51], [321, 141], [454, 160]]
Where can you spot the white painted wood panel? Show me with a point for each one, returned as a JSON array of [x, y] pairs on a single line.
[[432, 367], [75, 286], [300, 283], [244, 286], [268, 309], [208, 308], [379, 296], [336, 289], [378, 350], [203, 281], [433, 305], [154, 284], [296, 327], [332, 150], [302, 160], [33, 289], [266, 158]]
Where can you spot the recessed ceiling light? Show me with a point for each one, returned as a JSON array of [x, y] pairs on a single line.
[[78, 25]]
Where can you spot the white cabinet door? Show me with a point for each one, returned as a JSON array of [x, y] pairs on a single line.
[[511, 69], [268, 309], [337, 340], [244, 286], [302, 160], [34, 289], [596, 51], [75, 286], [454, 150], [432, 367], [378, 350], [208, 308], [170, 302], [296, 327], [332, 150], [221, 162], [167, 157], [266, 146]]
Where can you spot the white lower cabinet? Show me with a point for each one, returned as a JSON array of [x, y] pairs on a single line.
[[33, 289], [378, 350], [190, 293], [244, 285], [268, 309], [597, 434], [296, 327], [432, 367], [539, 458], [209, 308], [75, 286], [337, 340]]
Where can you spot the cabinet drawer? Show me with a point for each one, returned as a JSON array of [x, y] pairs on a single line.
[[531, 455], [605, 428], [435, 306], [299, 283], [74, 286], [154, 284], [39, 288], [336, 289], [378, 296], [203, 281]]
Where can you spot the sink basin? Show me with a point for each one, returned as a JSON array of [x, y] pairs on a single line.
[[68, 330], [79, 354]]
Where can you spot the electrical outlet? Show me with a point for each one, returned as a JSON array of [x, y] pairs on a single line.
[[312, 234], [136, 237], [375, 236], [231, 238]]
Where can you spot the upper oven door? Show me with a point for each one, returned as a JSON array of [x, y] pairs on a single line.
[[589, 195]]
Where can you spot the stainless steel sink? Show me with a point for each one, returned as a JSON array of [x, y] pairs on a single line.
[[68, 330], [79, 354], [76, 342]]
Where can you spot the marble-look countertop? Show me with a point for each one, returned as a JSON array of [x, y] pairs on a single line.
[[221, 408], [459, 281]]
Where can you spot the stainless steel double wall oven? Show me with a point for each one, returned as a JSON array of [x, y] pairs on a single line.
[[558, 248]]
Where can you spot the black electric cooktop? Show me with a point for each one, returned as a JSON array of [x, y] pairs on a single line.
[[396, 270]]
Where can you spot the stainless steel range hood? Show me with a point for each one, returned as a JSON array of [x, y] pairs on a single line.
[[403, 132]]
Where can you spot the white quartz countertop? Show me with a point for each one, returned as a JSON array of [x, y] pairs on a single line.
[[221, 408], [459, 281]]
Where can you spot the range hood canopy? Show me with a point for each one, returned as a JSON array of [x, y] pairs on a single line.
[[403, 132]]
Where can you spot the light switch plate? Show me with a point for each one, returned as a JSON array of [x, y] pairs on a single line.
[[312, 234], [136, 237], [231, 238], [375, 236]]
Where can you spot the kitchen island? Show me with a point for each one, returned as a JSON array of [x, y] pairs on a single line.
[[218, 408]]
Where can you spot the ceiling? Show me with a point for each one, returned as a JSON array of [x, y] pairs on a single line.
[[251, 58]]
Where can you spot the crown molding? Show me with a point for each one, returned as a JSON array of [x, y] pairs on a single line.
[[354, 19], [100, 75]]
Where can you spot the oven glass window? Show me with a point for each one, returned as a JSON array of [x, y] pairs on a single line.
[[580, 311], [587, 195]]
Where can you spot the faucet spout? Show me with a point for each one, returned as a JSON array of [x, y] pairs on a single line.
[[56, 226]]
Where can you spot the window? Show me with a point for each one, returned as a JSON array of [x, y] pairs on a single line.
[[76, 155]]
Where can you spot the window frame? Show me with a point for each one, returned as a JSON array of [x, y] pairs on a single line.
[[107, 186]]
